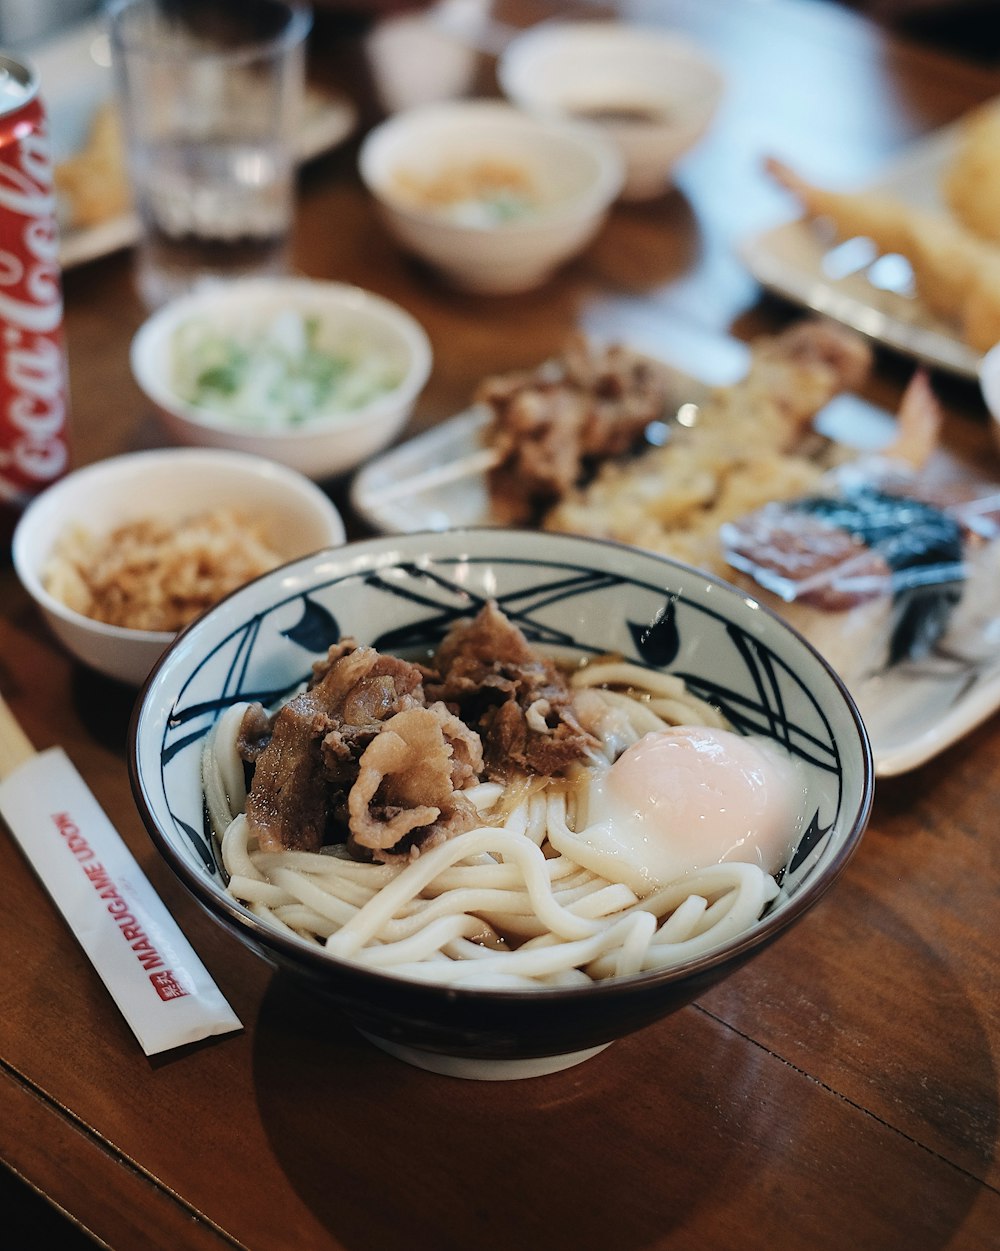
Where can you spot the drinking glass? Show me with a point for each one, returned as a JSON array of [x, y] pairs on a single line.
[[211, 96]]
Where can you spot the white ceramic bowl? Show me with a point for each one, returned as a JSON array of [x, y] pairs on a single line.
[[586, 597], [989, 384], [573, 172], [167, 484], [654, 93], [348, 316]]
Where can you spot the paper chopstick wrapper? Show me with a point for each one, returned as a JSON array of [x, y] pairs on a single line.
[[158, 982]]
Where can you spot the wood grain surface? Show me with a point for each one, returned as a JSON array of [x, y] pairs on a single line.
[[840, 1092]]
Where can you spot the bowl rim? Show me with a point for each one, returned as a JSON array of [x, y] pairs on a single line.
[[262, 936], [989, 380], [296, 29], [554, 36], [596, 198], [153, 332], [113, 467], [610, 32]]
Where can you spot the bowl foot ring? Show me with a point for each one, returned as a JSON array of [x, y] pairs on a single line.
[[474, 1069]]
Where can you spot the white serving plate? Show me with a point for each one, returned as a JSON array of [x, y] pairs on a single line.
[[913, 711], [74, 71], [800, 262]]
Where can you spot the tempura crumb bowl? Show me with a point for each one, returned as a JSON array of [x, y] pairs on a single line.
[[570, 174], [166, 484], [652, 92], [584, 597], [348, 320]]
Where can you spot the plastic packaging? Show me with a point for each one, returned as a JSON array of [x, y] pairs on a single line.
[[158, 982]]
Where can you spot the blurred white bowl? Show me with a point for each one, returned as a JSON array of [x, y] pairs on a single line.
[[989, 384], [168, 484], [350, 321], [414, 58], [652, 92], [570, 174]]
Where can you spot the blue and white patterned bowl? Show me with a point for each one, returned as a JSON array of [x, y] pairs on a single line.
[[401, 594]]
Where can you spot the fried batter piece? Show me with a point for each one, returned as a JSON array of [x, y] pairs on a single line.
[[956, 273], [93, 183], [753, 441], [550, 424], [971, 182]]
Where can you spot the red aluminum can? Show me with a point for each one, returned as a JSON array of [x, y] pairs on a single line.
[[34, 442]]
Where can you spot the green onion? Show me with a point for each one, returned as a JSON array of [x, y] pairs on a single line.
[[277, 375]]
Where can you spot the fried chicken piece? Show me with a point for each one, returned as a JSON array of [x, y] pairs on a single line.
[[549, 424]]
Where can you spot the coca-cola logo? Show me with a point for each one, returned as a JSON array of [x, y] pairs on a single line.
[[33, 376], [30, 294]]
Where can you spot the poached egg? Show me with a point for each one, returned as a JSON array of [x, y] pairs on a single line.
[[687, 797]]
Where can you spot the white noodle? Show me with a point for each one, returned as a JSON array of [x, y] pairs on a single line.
[[512, 903], [688, 708], [222, 771], [304, 921]]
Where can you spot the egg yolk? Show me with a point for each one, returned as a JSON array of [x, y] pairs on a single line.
[[690, 796]]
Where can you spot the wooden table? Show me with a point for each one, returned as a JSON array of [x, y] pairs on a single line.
[[840, 1092]]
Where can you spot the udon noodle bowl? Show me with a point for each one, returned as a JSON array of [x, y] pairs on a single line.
[[489, 818]]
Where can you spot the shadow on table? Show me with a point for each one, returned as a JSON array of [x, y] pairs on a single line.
[[545, 1162], [687, 1125], [103, 706]]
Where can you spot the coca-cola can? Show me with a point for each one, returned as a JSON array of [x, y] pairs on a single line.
[[34, 435]]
